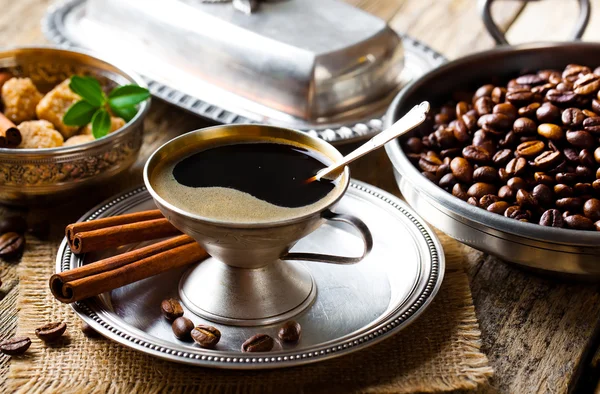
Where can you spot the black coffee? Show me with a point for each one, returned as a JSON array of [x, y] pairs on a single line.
[[275, 173]]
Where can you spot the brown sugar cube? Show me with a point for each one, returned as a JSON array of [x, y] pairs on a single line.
[[39, 134], [79, 139], [115, 124], [20, 97], [55, 104]]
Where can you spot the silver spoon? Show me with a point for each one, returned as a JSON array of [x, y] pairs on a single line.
[[412, 119]]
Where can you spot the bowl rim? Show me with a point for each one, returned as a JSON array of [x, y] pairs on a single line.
[[244, 225], [461, 208], [143, 109]]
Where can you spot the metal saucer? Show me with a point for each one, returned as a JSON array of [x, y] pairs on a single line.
[[355, 307]]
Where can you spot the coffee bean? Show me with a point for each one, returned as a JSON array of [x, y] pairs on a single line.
[[487, 200], [568, 178], [515, 212], [552, 218], [579, 222], [530, 148], [587, 84], [573, 71], [480, 189], [586, 158], [580, 139], [460, 191], [572, 117], [543, 194], [450, 152], [484, 105], [550, 131], [206, 336], [485, 90], [503, 175], [548, 113], [547, 159], [13, 224], [171, 309], [510, 139], [591, 209], [562, 190], [520, 98], [561, 98], [461, 109], [523, 126], [596, 106], [498, 207], [476, 154], [584, 173], [541, 90], [470, 121], [11, 245], [530, 79], [414, 145], [473, 201], [448, 181], [15, 346], [503, 156], [526, 199], [516, 166], [498, 95], [569, 203], [588, 113], [445, 136], [592, 125], [583, 188], [290, 331], [495, 122], [258, 343], [430, 162], [462, 169], [543, 178], [89, 331], [528, 111], [51, 331], [485, 174], [506, 193], [441, 119], [182, 327]]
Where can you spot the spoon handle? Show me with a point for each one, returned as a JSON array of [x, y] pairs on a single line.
[[412, 119]]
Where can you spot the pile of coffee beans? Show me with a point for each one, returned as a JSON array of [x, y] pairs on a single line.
[[529, 150], [208, 336]]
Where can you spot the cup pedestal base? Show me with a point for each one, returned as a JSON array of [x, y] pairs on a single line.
[[247, 297]]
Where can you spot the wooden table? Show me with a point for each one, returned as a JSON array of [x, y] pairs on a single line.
[[540, 334]]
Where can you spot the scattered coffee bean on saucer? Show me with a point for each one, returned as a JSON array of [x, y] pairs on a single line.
[[290, 331], [51, 331], [182, 327], [15, 346], [258, 343], [206, 336], [171, 309]]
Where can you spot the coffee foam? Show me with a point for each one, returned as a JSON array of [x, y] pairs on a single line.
[[226, 204]]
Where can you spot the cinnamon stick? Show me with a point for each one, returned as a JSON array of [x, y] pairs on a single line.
[[110, 237], [9, 131], [74, 286], [79, 227]]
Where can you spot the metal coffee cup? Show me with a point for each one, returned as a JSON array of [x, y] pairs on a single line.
[[251, 278]]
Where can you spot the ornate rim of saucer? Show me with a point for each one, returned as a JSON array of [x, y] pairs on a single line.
[[399, 294], [64, 17]]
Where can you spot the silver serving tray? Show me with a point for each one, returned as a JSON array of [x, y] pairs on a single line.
[[177, 82], [356, 305]]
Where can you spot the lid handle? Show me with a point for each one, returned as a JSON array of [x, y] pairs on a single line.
[[485, 8]]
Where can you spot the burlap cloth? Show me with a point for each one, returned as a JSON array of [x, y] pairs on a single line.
[[438, 352]]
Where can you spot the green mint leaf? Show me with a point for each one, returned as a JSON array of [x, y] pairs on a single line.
[[100, 123], [127, 96], [79, 114], [89, 89], [127, 113]]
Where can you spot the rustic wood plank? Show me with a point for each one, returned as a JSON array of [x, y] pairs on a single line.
[[452, 27]]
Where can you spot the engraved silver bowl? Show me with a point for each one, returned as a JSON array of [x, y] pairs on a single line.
[[31, 176]]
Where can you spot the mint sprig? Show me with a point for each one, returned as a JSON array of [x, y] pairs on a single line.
[[96, 107]]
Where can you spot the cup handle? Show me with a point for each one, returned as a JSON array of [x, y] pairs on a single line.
[[485, 7], [326, 258]]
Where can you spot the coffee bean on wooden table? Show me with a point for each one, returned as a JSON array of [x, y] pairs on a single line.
[[15, 346], [51, 332], [171, 309], [13, 224], [206, 336], [258, 343], [11, 245], [182, 327], [290, 331]]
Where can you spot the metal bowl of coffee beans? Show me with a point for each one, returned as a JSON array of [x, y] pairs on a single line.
[[509, 160], [43, 166]]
